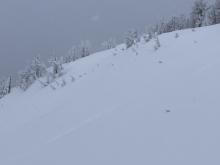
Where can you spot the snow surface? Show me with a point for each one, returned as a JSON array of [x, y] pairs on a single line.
[[123, 107]]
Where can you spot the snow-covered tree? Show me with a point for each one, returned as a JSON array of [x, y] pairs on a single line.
[[211, 16], [109, 44], [84, 49], [157, 42], [73, 54], [67, 59], [2, 88], [38, 68], [9, 84], [31, 73], [173, 24], [131, 38], [161, 27], [217, 11], [56, 66], [147, 37], [214, 13], [54, 71], [198, 13], [149, 33], [26, 78], [5, 86], [182, 22], [49, 78]]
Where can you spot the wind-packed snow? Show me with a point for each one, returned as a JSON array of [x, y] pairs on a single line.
[[122, 107]]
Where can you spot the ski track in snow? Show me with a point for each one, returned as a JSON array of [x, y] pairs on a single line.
[[82, 124]]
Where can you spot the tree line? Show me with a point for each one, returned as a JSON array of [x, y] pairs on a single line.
[[202, 14]]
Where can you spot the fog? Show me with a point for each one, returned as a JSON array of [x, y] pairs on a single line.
[[50, 27]]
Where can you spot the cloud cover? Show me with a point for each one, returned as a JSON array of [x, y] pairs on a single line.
[[30, 27]]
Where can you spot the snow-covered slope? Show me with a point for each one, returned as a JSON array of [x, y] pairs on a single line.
[[125, 107]]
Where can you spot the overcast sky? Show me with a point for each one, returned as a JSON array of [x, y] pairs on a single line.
[[32, 27]]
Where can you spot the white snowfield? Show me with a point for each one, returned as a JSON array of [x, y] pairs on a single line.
[[122, 107]]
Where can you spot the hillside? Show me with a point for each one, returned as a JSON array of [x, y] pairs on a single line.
[[122, 107]]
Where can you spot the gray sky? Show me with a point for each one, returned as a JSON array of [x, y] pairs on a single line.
[[32, 27]]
